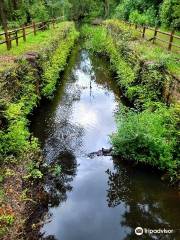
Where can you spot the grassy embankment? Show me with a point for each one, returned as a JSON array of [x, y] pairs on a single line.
[[149, 34], [22, 83], [149, 132]]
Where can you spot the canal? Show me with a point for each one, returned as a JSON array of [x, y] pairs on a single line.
[[94, 197]]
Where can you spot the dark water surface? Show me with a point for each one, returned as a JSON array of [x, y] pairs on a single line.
[[96, 198]]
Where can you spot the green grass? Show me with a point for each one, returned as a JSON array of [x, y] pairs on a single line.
[[150, 34], [33, 43], [152, 52]]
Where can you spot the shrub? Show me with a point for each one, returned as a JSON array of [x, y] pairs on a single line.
[[148, 137], [58, 61], [147, 18], [169, 13]]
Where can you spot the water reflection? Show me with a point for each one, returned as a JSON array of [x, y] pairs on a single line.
[[87, 201], [145, 203], [57, 187]]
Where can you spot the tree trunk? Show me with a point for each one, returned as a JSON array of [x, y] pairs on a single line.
[[15, 4], [4, 21], [3, 15], [106, 8]]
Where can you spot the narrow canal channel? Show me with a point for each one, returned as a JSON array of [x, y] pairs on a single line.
[[96, 198]]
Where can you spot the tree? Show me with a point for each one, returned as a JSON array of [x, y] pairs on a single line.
[[3, 15], [170, 13], [106, 8], [4, 21]]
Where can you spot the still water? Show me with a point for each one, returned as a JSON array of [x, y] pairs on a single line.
[[97, 198]]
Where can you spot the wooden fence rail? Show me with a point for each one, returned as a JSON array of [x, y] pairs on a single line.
[[16, 34], [172, 36]]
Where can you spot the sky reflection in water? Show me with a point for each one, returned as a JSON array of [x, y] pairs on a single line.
[[103, 200]]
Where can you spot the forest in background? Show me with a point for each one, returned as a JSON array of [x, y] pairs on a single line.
[[165, 13]]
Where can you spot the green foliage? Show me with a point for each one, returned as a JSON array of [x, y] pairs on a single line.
[[56, 170], [15, 138], [95, 38], [33, 171], [39, 12], [170, 13], [151, 12], [99, 41], [58, 62], [9, 219], [6, 220], [147, 18], [148, 137], [26, 11], [138, 11]]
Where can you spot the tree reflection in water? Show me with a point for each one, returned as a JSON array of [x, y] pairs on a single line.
[[51, 195], [141, 207], [58, 187]]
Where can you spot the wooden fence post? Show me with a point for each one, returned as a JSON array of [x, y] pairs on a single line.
[[171, 40], [24, 33], [135, 26], [16, 36], [143, 33], [34, 28], [10, 43], [6, 34], [53, 22], [155, 34]]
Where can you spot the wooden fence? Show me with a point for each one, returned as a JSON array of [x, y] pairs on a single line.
[[155, 31], [16, 34]]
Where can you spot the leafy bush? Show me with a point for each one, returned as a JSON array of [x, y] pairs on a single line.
[[148, 137], [58, 61], [39, 12], [169, 13], [95, 38], [138, 11], [15, 137], [147, 18]]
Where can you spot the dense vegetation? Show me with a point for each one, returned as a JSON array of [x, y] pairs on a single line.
[[151, 12], [14, 137], [147, 133], [22, 84]]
